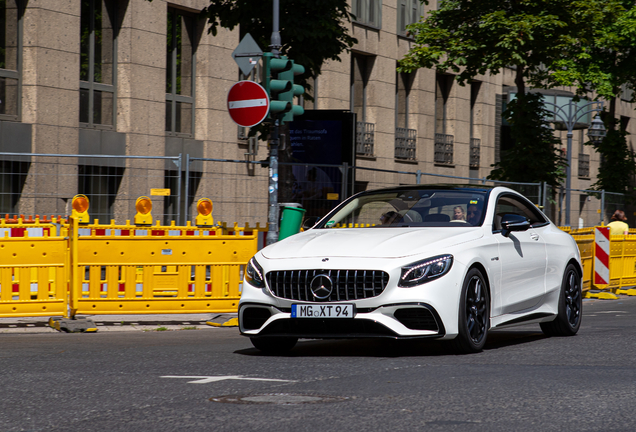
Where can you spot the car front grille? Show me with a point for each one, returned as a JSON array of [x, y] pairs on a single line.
[[346, 284]]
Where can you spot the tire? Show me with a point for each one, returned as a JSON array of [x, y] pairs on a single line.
[[274, 345], [568, 321], [474, 314]]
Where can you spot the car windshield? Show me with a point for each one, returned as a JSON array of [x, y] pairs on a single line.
[[461, 207]]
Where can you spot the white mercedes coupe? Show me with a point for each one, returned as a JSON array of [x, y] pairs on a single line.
[[445, 262]]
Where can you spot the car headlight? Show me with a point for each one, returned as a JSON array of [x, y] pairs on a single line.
[[254, 274], [424, 271]]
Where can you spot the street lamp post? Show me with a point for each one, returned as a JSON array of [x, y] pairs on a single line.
[[570, 114]]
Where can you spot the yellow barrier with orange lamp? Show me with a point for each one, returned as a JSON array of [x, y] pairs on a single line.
[[128, 269]]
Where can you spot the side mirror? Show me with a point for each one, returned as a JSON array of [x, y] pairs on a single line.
[[310, 222], [513, 222]]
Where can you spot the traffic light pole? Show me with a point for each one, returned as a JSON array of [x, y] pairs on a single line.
[[272, 217]]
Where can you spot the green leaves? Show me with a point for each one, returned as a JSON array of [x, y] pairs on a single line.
[[477, 37], [311, 31], [617, 164], [534, 156]]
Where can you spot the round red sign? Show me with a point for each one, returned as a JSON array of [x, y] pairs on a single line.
[[247, 103]]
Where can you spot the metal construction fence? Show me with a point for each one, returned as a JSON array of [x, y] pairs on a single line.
[[44, 184], [587, 208]]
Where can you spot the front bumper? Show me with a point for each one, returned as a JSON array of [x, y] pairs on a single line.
[[398, 321]]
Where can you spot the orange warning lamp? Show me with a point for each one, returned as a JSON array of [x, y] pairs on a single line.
[[80, 209], [143, 205], [204, 208]]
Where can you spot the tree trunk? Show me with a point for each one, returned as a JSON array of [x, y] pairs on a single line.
[[519, 82]]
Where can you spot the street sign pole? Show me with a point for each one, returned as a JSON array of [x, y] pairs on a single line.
[[272, 217]]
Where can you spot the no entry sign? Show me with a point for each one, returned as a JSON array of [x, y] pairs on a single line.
[[247, 103]]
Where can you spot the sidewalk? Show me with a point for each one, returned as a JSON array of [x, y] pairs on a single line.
[[118, 323]]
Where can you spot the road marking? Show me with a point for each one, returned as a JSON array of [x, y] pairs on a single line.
[[209, 379]]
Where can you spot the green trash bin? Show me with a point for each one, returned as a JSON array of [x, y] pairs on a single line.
[[290, 220]]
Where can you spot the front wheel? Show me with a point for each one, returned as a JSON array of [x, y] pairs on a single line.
[[274, 345], [568, 321], [474, 314]]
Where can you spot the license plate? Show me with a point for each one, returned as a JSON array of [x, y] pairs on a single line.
[[322, 311]]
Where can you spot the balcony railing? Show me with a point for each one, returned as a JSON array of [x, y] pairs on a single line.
[[364, 138], [405, 143], [475, 150], [584, 165], [444, 149]]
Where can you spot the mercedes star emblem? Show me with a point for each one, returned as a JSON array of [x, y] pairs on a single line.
[[321, 286]]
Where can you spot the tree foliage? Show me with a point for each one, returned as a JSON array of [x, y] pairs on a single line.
[[471, 38], [604, 57], [535, 156], [311, 31], [590, 44], [617, 167]]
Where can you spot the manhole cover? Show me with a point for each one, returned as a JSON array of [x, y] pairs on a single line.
[[277, 399]]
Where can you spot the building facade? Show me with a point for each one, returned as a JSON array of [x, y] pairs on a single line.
[[107, 97]]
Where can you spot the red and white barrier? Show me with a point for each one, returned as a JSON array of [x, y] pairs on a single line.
[[601, 256], [20, 232]]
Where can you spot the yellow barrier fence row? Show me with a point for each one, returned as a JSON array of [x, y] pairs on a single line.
[[62, 268]]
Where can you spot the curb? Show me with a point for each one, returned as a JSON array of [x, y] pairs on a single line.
[[117, 323]]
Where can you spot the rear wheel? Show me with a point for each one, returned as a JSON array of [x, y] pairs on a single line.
[[474, 314], [274, 345], [568, 321]]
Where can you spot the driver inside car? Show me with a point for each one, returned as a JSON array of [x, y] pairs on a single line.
[[473, 214], [389, 217]]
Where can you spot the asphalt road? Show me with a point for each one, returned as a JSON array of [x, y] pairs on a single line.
[[212, 379]]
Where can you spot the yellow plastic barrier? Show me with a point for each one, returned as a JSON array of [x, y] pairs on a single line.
[[586, 248], [158, 269], [33, 268], [622, 264]]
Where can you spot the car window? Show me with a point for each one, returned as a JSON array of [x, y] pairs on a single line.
[[401, 208], [513, 204]]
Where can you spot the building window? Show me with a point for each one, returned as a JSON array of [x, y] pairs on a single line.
[[409, 12], [405, 138], [180, 73], [360, 71], [475, 143], [98, 64], [11, 12], [100, 185], [13, 175], [443, 141], [368, 12]]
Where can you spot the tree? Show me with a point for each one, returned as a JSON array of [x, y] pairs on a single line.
[[471, 38], [606, 64], [617, 166], [535, 156], [311, 31]]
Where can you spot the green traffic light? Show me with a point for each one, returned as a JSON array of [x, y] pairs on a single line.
[[282, 90]]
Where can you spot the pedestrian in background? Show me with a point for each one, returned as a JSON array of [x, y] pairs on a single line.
[[618, 225]]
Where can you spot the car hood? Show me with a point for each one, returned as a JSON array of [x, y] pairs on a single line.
[[371, 242]]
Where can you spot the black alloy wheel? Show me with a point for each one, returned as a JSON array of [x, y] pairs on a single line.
[[568, 321], [474, 314]]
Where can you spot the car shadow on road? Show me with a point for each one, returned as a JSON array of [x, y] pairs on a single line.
[[395, 348]]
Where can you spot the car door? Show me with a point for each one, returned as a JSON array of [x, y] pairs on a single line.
[[522, 254]]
